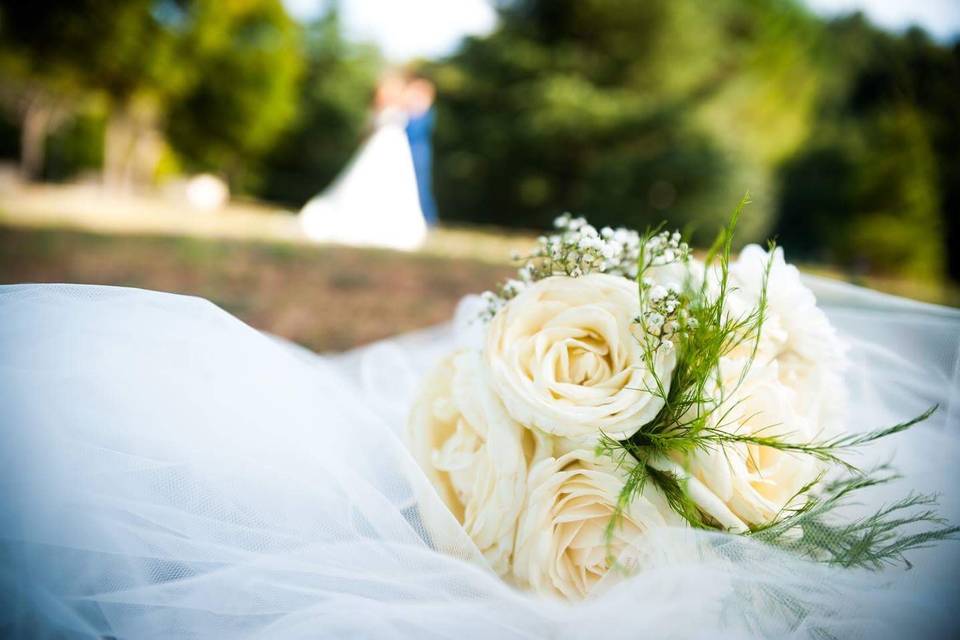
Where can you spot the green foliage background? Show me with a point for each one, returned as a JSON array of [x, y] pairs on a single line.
[[629, 112]]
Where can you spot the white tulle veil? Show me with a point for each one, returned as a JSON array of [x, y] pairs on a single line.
[[167, 471]]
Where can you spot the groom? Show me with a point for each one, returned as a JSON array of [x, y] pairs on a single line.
[[420, 94]]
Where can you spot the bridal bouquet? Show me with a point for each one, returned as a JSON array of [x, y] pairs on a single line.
[[624, 385]]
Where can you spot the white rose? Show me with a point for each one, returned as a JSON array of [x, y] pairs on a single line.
[[753, 483], [561, 546], [563, 358], [473, 453], [796, 334]]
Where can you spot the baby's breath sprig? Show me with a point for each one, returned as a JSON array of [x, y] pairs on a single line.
[[665, 313], [575, 249], [663, 308], [578, 249], [663, 249]]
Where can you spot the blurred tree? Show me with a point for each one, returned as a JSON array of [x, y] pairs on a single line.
[[38, 112], [247, 58], [895, 227], [128, 51], [334, 100], [934, 72], [232, 65], [39, 83], [77, 146], [876, 188], [629, 112]]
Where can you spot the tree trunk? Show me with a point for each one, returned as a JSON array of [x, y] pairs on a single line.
[[116, 148], [34, 127], [130, 149]]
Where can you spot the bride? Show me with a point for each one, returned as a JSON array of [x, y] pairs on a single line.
[[169, 472], [374, 201]]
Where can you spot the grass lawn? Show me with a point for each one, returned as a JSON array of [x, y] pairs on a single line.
[[325, 298]]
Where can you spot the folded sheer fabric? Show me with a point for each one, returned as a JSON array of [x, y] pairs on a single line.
[[167, 471]]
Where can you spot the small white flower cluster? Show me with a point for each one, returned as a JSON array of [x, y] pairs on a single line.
[[664, 312], [577, 249], [494, 301], [665, 248]]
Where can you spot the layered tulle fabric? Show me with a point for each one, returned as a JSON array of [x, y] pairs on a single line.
[[167, 471]]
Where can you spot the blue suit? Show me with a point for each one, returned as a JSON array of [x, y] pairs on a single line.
[[419, 131]]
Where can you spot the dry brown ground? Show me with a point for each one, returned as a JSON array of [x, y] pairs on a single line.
[[325, 298]]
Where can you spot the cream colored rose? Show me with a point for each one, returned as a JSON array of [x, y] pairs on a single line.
[[561, 548], [563, 358], [472, 452], [753, 483], [796, 335]]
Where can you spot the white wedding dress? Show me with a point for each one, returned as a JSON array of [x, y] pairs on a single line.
[[374, 201], [169, 472]]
